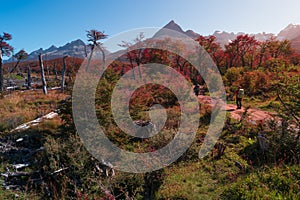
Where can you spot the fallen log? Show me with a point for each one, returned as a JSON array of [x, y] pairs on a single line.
[[59, 170], [18, 174]]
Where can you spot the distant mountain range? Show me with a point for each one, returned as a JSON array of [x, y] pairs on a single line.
[[224, 37], [73, 49], [76, 48], [79, 49], [291, 32]]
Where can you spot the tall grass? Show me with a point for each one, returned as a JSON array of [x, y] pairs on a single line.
[[21, 106]]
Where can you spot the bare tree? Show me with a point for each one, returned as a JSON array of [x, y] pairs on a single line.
[[63, 73], [54, 65], [47, 67], [134, 52], [28, 77], [5, 49], [94, 36], [43, 74], [21, 55]]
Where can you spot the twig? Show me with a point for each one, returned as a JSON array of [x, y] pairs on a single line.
[[18, 174]]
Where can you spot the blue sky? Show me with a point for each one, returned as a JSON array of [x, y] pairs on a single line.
[[41, 23]]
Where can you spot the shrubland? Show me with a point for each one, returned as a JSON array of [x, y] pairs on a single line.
[[237, 168]]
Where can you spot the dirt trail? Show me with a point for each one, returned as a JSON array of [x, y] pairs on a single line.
[[254, 115]]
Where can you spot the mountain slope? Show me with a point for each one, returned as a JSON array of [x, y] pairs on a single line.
[[295, 43], [290, 32]]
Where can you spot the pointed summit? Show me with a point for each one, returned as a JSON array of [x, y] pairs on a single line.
[[52, 48], [173, 26]]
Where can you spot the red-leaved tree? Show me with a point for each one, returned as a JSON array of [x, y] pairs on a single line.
[[242, 51], [5, 50]]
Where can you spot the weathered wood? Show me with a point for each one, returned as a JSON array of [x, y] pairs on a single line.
[[43, 74], [47, 67], [262, 142], [1, 73], [18, 174], [55, 71], [63, 73], [20, 166], [59, 170], [221, 149], [106, 168], [28, 77]]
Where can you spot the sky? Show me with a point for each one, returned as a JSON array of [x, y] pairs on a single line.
[[38, 24]]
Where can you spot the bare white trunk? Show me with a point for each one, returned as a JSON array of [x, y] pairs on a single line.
[[43, 74], [55, 72], [63, 74], [47, 68], [1, 73]]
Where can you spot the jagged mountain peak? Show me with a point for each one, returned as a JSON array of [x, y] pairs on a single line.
[[290, 32], [172, 25], [51, 48], [76, 42], [74, 48]]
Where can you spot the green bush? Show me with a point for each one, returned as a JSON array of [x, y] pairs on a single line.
[[232, 75], [266, 183]]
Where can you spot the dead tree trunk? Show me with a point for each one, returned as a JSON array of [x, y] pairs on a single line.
[[63, 74], [221, 149], [70, 76], [28, 77], [85, 51], [47, 68], [262, 142], [55, 72], [1, 73], [152, 182], [103, 57], [43, 74], [15, 67], [90, 58]]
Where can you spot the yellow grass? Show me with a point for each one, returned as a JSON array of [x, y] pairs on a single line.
[[21, 106]]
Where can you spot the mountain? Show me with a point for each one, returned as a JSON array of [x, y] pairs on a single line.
[[192, 34], [175, 27], [290, 32], [222, 37], [295, 43], [75, 49]]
